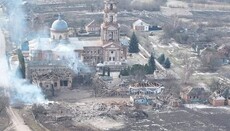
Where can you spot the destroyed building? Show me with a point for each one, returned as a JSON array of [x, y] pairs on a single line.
[[145, 88], [50, 75], [194, 94], [144, 93]]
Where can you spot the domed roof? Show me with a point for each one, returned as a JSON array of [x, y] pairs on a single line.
[[59, 25]]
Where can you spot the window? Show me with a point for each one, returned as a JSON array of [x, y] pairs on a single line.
[[110, 58], [113, 58], [55, 84], [63, 82], [111, 19], [60, 37], [111, 7], [111, 52], [111, 36]]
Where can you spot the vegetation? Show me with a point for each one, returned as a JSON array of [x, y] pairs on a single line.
[[161, 59], [167, 63], [151, 5], [151, 65], [210, 59], [21, 63], [138, 69], [133, 46]]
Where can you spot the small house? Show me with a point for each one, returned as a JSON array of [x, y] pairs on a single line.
[[93, 28], [140, 25], [217, 100]]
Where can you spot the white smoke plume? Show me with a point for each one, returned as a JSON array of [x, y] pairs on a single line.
[[17, 89]]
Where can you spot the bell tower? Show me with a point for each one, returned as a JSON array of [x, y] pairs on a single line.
[[110, 29]]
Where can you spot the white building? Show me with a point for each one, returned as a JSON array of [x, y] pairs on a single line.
[[140, 25]]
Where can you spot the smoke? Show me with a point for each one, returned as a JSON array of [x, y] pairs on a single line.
[[17, 19], [73, 62], [17, 89]]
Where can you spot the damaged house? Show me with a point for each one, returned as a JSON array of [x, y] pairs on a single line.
[[194, 94], [55, 75], [145, 88], [144, 93]]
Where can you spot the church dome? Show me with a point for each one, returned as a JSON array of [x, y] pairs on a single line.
[[59, 25]]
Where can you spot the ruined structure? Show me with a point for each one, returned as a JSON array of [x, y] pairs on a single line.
[[54, 75], [145, 88], [63, 52], [194, 94], [145, 93]]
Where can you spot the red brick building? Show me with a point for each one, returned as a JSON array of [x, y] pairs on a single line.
[[194, 95], [217, 100]]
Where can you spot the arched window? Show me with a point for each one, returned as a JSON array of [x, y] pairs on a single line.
[[111, 36], [111, 19], [111, 7]]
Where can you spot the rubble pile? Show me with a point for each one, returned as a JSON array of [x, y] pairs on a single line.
[[70, 115]]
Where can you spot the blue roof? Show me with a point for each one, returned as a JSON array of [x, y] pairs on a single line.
[[25, 46], [59, 25]]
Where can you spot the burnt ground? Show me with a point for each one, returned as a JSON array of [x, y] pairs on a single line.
[[210, 119], [84, 115]]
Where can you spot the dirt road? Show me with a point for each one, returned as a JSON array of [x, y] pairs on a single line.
[[18, 123]]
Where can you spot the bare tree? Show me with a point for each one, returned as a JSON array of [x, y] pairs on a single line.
[[210, 59], [190, 65], [215, 85]]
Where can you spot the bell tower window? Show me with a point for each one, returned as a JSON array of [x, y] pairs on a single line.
[[111, 36], [111, 19], [111, 7]]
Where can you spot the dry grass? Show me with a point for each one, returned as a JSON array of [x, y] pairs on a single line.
[[4, 121], [30, 121]]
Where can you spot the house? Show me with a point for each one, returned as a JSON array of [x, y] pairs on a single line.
[[140, 100], [139, 25], [93, 28], [217, 100], [224, 53], [194, 94]]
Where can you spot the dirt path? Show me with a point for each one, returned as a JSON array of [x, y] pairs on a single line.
[[18, 123]]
